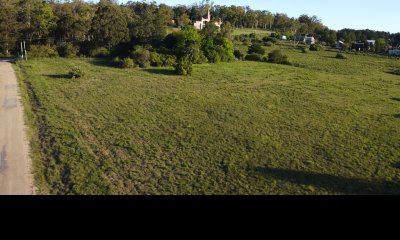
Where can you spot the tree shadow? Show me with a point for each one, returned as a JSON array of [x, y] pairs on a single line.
[[161, 71], [102, 62], [397, 73], [396, 99], [58, 76], [397, 115], [332, 183]]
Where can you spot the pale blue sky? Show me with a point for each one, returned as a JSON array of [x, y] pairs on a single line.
[[381, 15]]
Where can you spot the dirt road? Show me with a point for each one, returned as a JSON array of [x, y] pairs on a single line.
[[15, 164]]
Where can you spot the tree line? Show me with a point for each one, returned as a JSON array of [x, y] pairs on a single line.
[[106, 24]]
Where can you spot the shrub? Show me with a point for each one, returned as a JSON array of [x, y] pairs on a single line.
[[168, 60], [41, 51], [99, 52], [141, 56], [341, 56], [254, 57], [277, 56], [246, 42], [253, 35], [256, 48], [116, 62], [316, 47], [76, 72], [268, 44], [304, 50], [68, 50], [201, 58], [184, 67], [264, 59], [155, 59], [127, 63], [239, 54]]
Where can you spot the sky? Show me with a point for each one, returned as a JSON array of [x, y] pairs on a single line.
[[382, 15]]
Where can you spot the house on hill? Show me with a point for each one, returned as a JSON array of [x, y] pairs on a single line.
[[201, 24], [305, 39]]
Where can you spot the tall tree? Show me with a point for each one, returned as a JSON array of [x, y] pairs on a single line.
[[9, 26], [109, 25]]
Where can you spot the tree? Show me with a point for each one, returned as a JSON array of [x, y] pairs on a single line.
[[37, 20], [380, 45], [9, 26], [109, 25], [187, 50]]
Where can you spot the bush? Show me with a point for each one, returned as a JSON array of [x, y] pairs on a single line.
[[304, 50], [184, 67], [99, 52], [341, 56], [155, 59], [40, 51], [239, 54], [256, 48], [316, 47], [254, 57], [76, 72], [168, 60], [268, 44], [141, 56], [116, 62], [277, 56], [127, 63], [68, 50], [201, 58]]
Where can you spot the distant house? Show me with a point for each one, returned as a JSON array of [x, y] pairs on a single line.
[[305, 39], [395, 52], [284, 37], [359, 46], [203, 22], [339, 44], [371, 43]]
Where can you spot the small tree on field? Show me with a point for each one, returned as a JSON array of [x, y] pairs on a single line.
[[187, 50]]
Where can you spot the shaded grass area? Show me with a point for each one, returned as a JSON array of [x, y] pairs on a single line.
[[327, 126]]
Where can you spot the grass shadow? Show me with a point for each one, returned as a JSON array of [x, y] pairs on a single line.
[[58, 76], [331, 182], [161, 71], [397, 115], [396, 73]]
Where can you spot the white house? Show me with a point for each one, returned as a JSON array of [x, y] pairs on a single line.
[[305, 39], [339, 44], [395, 52], [201, 24]]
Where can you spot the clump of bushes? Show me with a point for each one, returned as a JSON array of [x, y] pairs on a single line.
[[277, 56], [155, 59], [341, 56], [256, 48], [42, 51], [76, 72], [99, 52], [127, 63], [68, 50], [316, 47], [239, 55], [254, 57], [168, 60], [141, 56]]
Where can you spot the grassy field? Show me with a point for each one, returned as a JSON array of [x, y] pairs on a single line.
[[261, 32], [322, 126]]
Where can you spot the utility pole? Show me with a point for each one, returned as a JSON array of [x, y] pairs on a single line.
[[22, 51], [26, 55]]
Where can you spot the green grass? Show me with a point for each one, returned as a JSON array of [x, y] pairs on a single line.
[[321, 126], [240, 31]]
